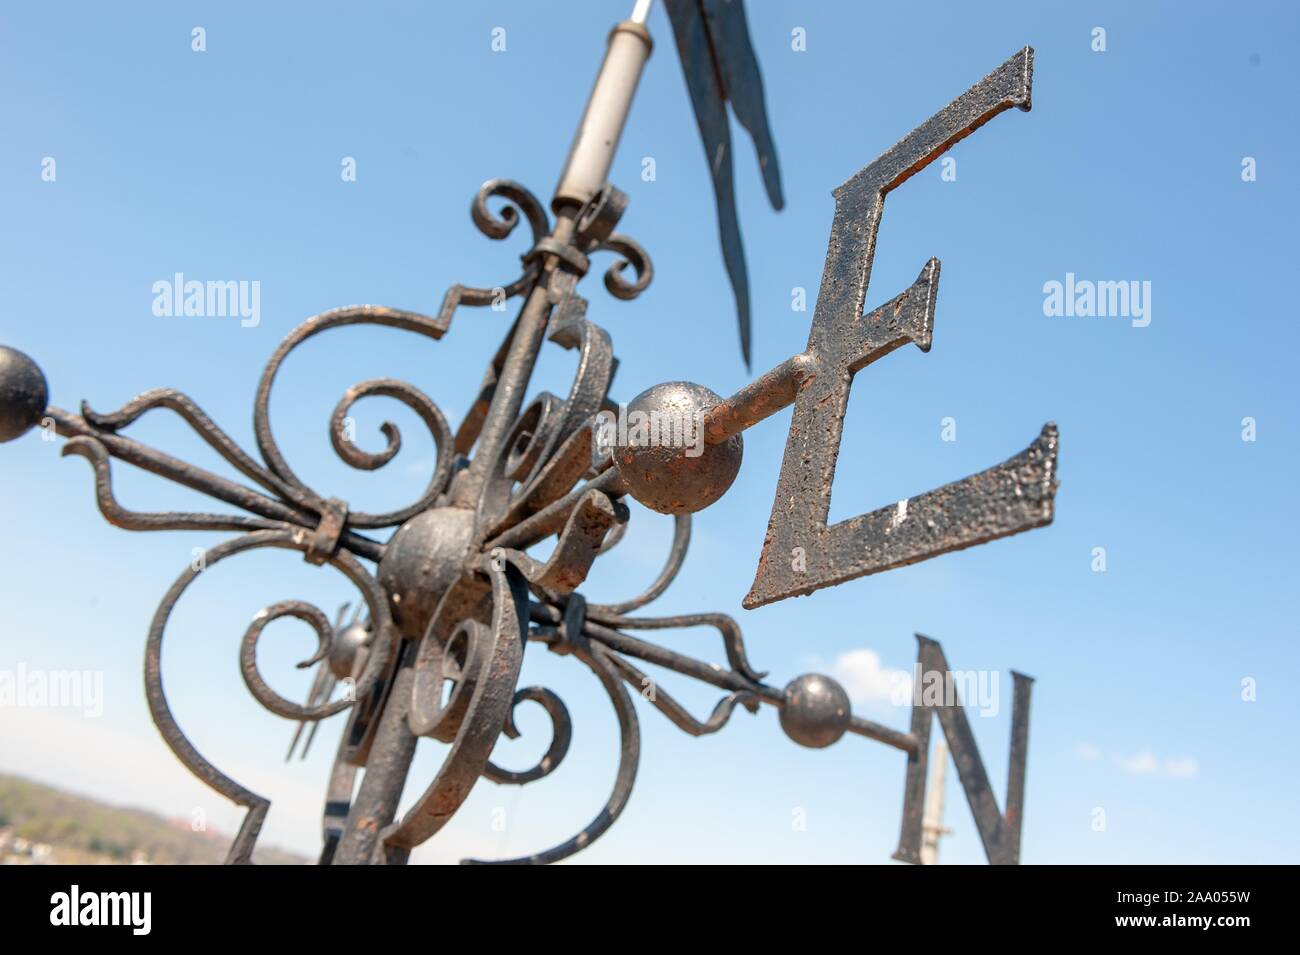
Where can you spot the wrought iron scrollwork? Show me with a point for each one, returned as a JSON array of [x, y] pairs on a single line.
[[283, 512], [632, 255], [457, 595], [499, 226], [377, 663]]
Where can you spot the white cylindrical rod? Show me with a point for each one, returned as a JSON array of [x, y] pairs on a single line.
[[641, 11], [932, 819], [592, 153]]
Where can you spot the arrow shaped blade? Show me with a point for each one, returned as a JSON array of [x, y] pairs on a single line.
[[742, 85], [719, 63]]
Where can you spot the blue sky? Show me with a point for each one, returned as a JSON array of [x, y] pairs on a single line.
[[225, 164]]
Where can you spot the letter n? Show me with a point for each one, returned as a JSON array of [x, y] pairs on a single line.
[[1000, 832]]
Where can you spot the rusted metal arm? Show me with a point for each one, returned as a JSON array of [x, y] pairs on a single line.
[[761, 398]]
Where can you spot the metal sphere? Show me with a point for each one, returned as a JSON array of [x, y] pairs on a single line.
[[424, 558], [660, 451], [344, 648], [23, 394], [816, 711]]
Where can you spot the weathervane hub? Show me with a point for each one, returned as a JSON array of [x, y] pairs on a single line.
[[424, 559]]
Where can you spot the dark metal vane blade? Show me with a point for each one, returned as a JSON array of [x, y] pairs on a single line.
[[742, 84], [718, 60]]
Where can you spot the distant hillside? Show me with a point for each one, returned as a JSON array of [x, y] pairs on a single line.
[[79, 829]]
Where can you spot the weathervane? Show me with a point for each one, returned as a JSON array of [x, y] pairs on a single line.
[[453, 596]]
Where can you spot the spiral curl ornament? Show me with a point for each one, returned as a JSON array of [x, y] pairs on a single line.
[[521, 202], [596, 660], [561, 737], [242, 848], [433, 419], [257, 684], [672, 566], [410, 396], [490, 670], [632, 255], [459, 662]]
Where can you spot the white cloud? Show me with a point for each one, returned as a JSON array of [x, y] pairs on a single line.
[[867, 681], [1184, 768], [1145, 763]]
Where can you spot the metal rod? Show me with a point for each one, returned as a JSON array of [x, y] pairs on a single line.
[[584, 174], [728, 680], [592, 153], [384, 778], [761, 398], [508, 396], [200, 479]]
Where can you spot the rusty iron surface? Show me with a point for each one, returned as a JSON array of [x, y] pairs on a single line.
[[801, 552], [449, 594]]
